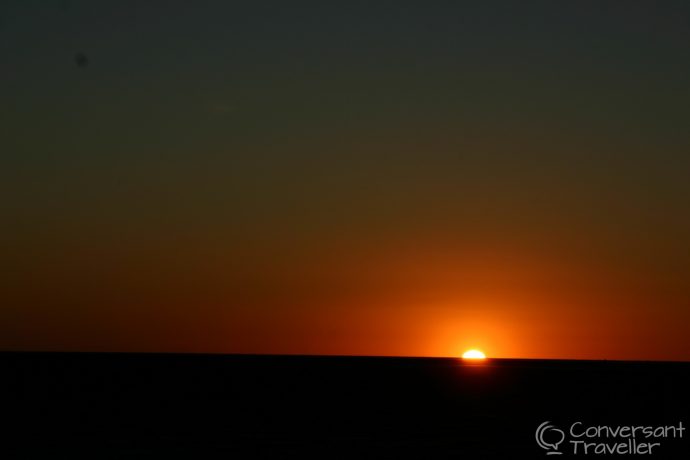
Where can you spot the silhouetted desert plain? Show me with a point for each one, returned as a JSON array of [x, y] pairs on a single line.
[[95, 405]]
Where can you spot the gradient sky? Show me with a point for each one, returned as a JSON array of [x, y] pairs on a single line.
[[355, 177]]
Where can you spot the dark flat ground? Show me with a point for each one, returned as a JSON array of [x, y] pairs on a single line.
[[70, 405]]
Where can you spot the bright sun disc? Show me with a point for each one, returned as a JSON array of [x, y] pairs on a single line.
[[473, 354]]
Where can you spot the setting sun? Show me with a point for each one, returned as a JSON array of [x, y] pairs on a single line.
[[473, 354]]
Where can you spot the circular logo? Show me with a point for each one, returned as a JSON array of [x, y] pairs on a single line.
[[549, 437]]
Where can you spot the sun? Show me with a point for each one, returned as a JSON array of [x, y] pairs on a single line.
[[473, 354]]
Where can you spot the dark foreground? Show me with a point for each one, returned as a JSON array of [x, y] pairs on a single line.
[[105, 406]]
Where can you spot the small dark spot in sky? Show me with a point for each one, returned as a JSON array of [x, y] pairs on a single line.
[[81, 60]]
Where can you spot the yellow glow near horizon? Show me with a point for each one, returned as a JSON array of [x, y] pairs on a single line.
[[473, 354]]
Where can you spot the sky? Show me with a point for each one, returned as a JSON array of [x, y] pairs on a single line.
[[349, 177]]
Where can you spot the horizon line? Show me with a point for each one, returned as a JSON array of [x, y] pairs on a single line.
[[327, 355]]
